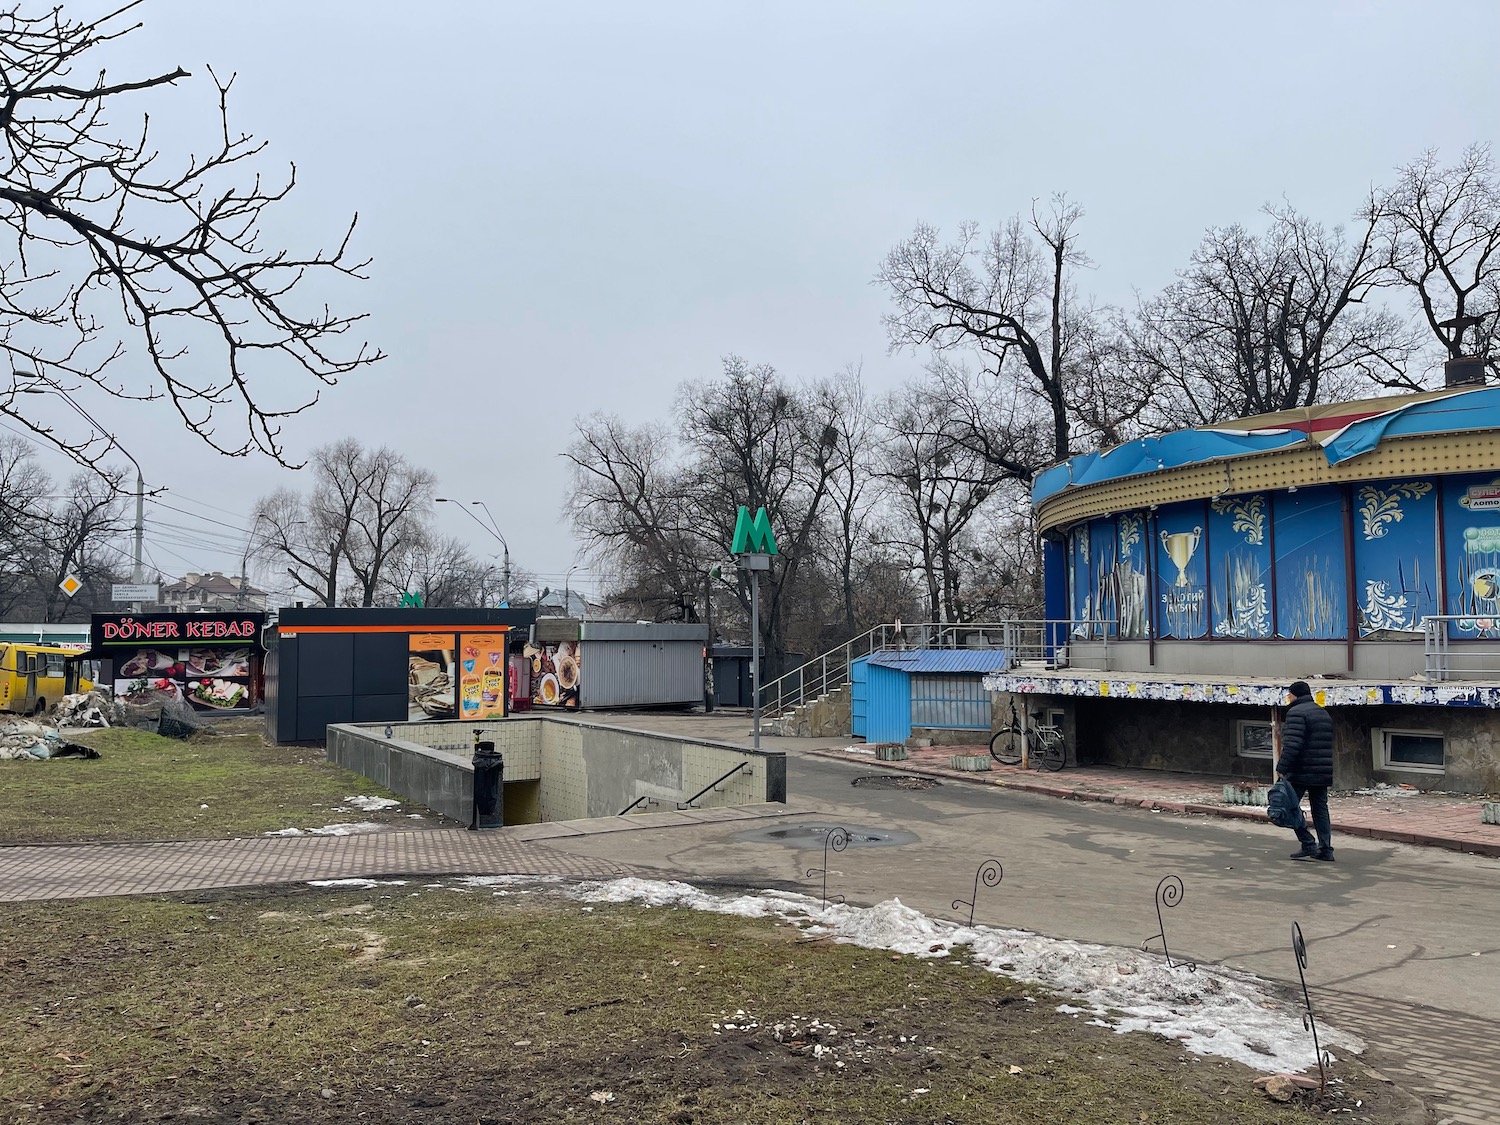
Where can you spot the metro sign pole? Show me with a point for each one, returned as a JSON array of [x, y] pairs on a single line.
[[752, 548]]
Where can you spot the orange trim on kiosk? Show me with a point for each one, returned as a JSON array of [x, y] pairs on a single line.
[[446, 630]]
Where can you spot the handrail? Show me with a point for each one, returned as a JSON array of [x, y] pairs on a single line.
[[637, 801], [1444, 660], [1025, 639], [711, 785]]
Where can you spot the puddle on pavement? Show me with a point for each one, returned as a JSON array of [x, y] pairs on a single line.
[[894, 781], [811, 836]]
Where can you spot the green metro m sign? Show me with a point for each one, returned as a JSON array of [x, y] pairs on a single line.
[[753, 535]]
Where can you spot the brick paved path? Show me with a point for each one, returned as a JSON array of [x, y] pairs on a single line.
[[95, 870], [1434, 820], [1446, 1058]]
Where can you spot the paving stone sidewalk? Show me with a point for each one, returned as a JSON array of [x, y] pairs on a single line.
[[96, 870], [64, 871], [1401, 815]]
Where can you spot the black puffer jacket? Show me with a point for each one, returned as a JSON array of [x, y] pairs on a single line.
[[1307, 745]]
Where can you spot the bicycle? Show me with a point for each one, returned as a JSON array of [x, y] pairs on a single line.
[[1044, 743]]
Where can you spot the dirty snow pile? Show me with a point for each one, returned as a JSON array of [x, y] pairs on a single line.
[[359, 828], [366, 804], [1212, 1011]]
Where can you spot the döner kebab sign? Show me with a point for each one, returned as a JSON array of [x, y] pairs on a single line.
[[165, 628]]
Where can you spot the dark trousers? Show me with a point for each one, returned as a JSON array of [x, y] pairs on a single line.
[[1317, 799]]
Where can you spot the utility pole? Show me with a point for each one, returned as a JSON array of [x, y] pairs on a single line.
[[708, 652], [140, 525]]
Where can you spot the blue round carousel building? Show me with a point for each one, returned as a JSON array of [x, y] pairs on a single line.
[[1190, 577]]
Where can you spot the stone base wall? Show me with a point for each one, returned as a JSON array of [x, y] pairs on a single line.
[[1203, 738]]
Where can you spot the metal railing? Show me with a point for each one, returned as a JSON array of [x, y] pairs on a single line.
[[1447, 657], [1028, 641]]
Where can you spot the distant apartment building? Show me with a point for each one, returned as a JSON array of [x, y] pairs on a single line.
[[211, 593]]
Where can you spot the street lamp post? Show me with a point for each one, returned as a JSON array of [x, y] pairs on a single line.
[[140, 482], [245, 560], [567, 590], [492, 527]]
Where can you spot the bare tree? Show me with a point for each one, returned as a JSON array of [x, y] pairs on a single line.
[[441, 570], [754, 439], [1261, 323], [939, 484], [78, 537], [1011, 300], [1442, 241], [629, 505], [851, 500], [391, 516], [24, 505], [117, 249], [363, 507]]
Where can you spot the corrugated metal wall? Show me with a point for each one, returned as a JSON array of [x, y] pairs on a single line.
[[950, 702], [889, 715], [640, 673], [859, 698]]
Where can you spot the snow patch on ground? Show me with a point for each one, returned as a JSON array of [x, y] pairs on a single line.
[[1212, 1011], [358, 828], [365, 883], [367, 804], [505, 880]]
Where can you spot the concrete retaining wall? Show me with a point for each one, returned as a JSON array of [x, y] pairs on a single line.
[[556, 767]]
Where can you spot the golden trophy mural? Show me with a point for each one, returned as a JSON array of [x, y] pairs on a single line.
[[1180, 547]]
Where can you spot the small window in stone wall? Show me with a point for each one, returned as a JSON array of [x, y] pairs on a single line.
[[1254, 739], [1421, 751]]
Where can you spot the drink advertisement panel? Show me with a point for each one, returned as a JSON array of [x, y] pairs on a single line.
[[481, 676]]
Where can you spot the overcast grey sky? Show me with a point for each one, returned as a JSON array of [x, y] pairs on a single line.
[[575, 207]]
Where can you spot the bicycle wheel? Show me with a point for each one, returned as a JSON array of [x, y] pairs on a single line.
[[1005, 746], [1052, 754]]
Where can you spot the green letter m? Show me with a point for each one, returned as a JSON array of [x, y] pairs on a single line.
[[753, 536]]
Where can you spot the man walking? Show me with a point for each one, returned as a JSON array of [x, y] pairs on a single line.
[[1307, 762]]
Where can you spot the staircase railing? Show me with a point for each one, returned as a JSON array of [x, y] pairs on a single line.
[[830, 671], [1028, 642]]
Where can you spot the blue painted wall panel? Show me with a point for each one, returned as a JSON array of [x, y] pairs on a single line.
[[1395, 555], [1311, 578], [859, 699], [889, 715], [1239, 565]]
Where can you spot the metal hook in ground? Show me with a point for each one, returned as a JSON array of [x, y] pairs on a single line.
[[989, 873]]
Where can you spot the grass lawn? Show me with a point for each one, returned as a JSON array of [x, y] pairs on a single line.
[[422, 1003], [145, 787]]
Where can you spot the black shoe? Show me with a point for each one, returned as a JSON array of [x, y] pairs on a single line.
[[1325, 854], [1309, 851]]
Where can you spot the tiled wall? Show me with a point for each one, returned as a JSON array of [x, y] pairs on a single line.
[[565, 782]]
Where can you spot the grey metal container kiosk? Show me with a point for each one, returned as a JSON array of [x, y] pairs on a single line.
[[633, 663]]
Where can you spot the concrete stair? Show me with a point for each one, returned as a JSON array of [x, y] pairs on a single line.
[[823, 717]]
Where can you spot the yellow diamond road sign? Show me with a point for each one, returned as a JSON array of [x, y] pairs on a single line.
[[71, 585]]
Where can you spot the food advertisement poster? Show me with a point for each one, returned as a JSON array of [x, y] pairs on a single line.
[[209, 679], [431, 684], [481, 675], [555, 673]]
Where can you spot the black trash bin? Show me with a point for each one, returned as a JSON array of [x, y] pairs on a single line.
[[489, 781]]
